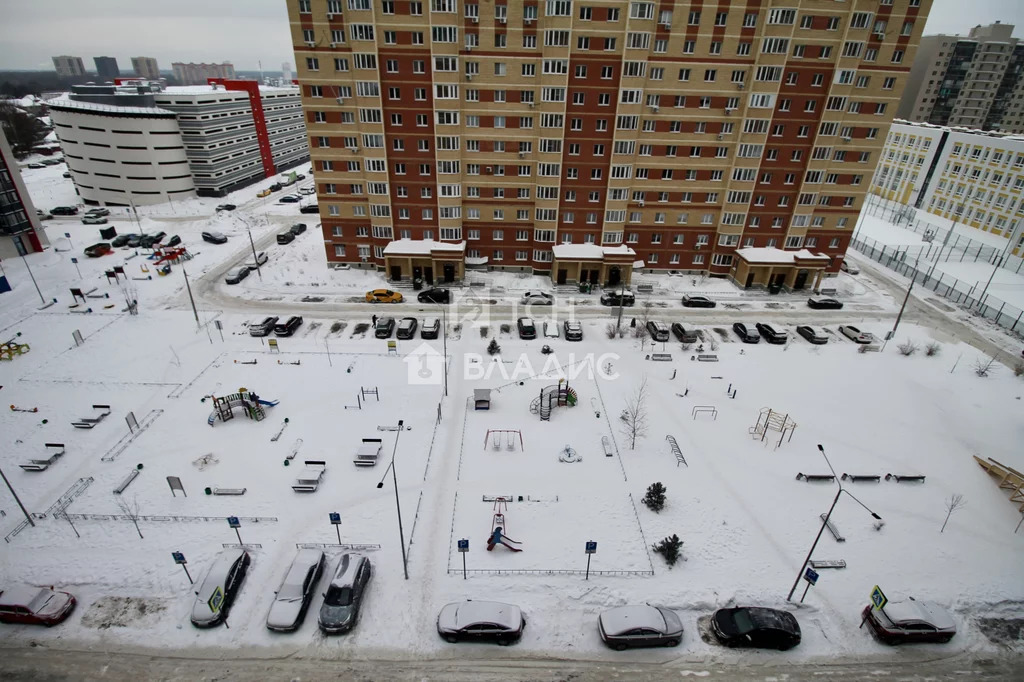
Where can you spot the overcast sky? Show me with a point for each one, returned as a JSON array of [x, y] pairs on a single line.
[[245, 32]]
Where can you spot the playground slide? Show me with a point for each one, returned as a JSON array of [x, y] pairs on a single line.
[[268, 403], [213, 418]]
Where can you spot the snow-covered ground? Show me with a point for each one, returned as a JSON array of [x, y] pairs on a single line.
[[746, 521]]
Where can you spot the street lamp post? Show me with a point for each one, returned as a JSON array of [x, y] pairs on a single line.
[[255, 258], [824, 522], [444, 341], [398, 506], [33, 277]]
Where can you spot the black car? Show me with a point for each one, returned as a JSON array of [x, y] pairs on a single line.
[[123, 239], [344, 597], [573, 330], [223, 579], [288, 328], [698, 302], [477, 621], [285, 238], [385, 325], [297, 229], [173, 241], [263, 328], [435, 295], [276, 187], [148, 241], [431, 328], [214, 238], [407, 328], [625, 298], [67, 174], [226, 207], [824, 304], [310, 208], [289, 199], [300, 176], [134, 240], [683, 334], [527, 329], [771, 334], [815, 336], [64, 210], [756, 627], [746, 334]]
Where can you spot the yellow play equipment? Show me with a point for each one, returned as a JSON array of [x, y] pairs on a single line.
[[9, 350]]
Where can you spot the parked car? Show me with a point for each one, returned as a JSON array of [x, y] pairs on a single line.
[[97, 250], [684, 334], [276, 187], [134, 240], [910, 621], [261, 258], [431, 328], [66, 174], [36, 165], [848, 267], [290, 199], [263, 328], [226, 207], [756, 627], [824, 304], [52, 162], [310, 208], [299, 177], [573, 331], [658, 330], [288, 328], [771, 334], [285, 238], [214, 238], [626, 298], [148, 241], [34, 605], [383, 296], [264, 193], [638, 626], [236, 275], [122, 239], [537, 298], [296, 591], [384, 327], [297, 229], [344, 596], [42, 215], [90, 219], [306, 191], [224, 578], [812, 334], [698, 302], [64, 210], [855, 334], [407, 328], [527, 329], [98, 211], [173, 241], [436, 295], [481, 621], [746, 334]]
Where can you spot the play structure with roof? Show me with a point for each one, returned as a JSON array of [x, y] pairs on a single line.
[[556, 395]]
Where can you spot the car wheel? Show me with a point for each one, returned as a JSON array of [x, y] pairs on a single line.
[[451, 639], [672, 642], [394, 300], [620, 647], [504, 642]]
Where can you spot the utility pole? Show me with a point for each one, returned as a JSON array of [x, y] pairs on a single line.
[[28, 517], [255, 258], [956, 219], [33, 277], [191, 300]]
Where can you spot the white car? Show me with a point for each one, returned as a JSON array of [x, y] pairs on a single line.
[[550, 330], [848, 267], [292, 599], [307, 190], [855, 334], [537, 298], [261, 258]]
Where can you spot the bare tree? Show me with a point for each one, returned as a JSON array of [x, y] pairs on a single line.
[[634, 417], [954, 503], [131, 510]]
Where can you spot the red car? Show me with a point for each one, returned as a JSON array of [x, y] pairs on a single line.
[[97, 250], [35, 605]]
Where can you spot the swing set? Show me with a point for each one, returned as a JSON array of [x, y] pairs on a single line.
[[509, 438]]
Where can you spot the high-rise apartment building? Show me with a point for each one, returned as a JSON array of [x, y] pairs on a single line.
[[20, 232], [733, 139], [106, 69], [199, 74], [977, 81], [68, 67], [146, 67]]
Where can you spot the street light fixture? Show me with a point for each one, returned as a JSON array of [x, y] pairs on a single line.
[[824, 522], [398, 506]]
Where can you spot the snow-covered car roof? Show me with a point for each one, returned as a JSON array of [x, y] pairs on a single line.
[[912, 610], [216, 574], [20, 595], [624, 618], [463, 614]]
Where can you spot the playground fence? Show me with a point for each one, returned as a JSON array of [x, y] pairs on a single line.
[[412, 533], [647, 545], [546, 571]]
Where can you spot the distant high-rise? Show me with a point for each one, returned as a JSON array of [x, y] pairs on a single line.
[[146, 67], [286, 73], [106, 68], [977, 81], [197, 74], [69, 67]]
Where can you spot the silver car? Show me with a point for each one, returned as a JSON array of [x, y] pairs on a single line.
[[217, 591], [340, 610], [292, 598]]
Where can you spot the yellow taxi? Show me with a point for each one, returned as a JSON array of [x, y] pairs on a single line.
[[264, 193], [383, 296]]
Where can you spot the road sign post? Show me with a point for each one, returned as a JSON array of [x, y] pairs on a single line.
[[811, 576], [336, 522], [878, 599], [233, 522], [179, 558], [463, 548], [591, 549], [75, 261], [216, 602]]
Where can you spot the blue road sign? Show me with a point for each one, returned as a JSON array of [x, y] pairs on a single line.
[[234, 522], [591, 547], [68, 235], [463, 545], [878, 598], [179, 558], [74, 260], [811, 576], [335, 518]]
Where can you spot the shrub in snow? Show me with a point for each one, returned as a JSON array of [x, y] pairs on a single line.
[[932, 348], [983, 367], [1018, 369], [493, 348], [669, 548], [611, 330], [506, 329], [908, 348], [483, 332], [655, 497], [337, 327], [457, 329], [954, 503]]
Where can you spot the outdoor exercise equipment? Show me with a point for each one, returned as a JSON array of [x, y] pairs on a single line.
[[772, 420], [568, 455], [556, 395], [674, 445], [15, 408], [251, 404], [510, 438], [11, 349]]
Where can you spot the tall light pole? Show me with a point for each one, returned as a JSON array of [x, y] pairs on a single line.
[[444, 337], [398, 505], [255, 258], [28, 517], [33, 277], [956, 218], [824, 523]]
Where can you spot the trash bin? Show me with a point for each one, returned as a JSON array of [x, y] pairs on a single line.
[[774, 289], [417, 284], [583, 288], [108, 232]]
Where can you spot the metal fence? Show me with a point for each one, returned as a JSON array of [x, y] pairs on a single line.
[[546, 571]]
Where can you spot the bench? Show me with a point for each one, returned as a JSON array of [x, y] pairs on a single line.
[[815, 477], [645, 288], [227, 491], [828, 563], [54, 452], [127, 481], [89, 422], [309, 478], [832, 529], [704, 409], [366, 455], [606, 445], [707, 357], [827, 291], [901, 479], [861, 478], [661, 357]]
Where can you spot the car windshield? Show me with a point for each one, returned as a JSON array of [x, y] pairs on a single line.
[[338, 596]]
